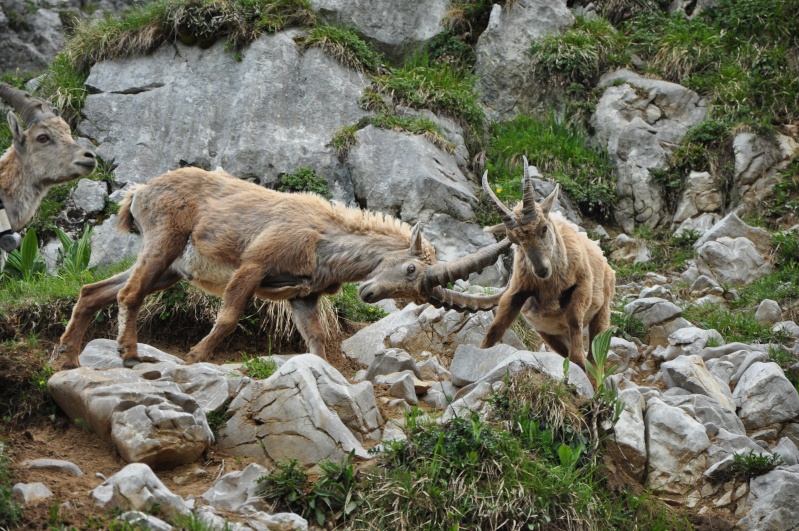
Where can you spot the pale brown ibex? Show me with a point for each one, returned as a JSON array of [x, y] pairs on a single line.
[[237, 239], [561, 280], [41, 157]]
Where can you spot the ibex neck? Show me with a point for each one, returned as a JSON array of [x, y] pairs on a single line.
[[20, 197], [354, 257]]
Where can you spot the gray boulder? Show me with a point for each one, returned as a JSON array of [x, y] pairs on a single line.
[[89, 196], [471, 363], [676, 444], [265, 97], [787, 451], [688, 341], [416, 329], [504, 82], [705, 409], [641, 122], [765, 396], [140, 520], [306, 411], [772, 498], [137, 488], [150, 421], [690, 373], [236, 490], [627, 249], [407, 176], [629, 433], [732, 261], [396, 27], [701, 195], [30, 493], [700, 224], [110, 246], [391, 361], [54, 465], [653, 310], [768, 312], [731, 226], [731, 367]]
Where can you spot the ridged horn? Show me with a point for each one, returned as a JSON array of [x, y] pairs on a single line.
[[505, 213], [529, 211], [30, 109], [442, 273], [463, 302]]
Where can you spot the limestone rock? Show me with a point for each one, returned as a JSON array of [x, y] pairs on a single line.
[[700, 224], [417, 179], [471, 363], [54, 465], [30, 493], [306, 411], [266, 95], [90, 196], [396, 27], [140, 520], [503, 64], [676, 444], [640, 122], [653, 310], [772, 498], [733, 261], [103, 354], [705, 409], [135, 487], [768, 313], [701, 196], [626, 249], [391, 361], [788, 451], [235, 490], [689, 341], [690, 373], [731, 226], [110, 246], [765, 396], [422, 328], [628, 432]]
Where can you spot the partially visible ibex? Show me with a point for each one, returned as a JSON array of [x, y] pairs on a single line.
[[41, 157], [237, 239], [561, 280]]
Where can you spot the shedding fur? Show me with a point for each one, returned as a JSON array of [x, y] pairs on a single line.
[[238, 240]]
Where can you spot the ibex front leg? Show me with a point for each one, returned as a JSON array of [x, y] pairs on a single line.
[[238, 292], [305, 312], [509, 307]]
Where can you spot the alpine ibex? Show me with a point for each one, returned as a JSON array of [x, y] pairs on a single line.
[[42, 156], [561, 280], [237, 239]]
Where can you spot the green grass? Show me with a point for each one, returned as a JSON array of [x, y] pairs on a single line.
[[10, 510], [345, 138], [304, 180], [348, 305], [345, 45], [580, 54], [560, 152], [733, 325], [260, 368]]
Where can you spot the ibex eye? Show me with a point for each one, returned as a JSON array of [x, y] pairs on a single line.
[[411, 268], [42, 139]]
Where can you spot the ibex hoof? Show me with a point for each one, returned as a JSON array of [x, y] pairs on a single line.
[[129, 363]]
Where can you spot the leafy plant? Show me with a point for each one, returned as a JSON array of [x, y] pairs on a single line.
[[285, 484], [746, 466], [348, 305], [335, 492], [628, 325], [26, 262], [75, 254], [260, 368], [304, 180]]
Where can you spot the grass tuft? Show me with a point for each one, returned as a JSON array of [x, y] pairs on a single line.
[[345, 45]]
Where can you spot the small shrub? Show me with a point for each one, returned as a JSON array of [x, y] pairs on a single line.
[[748, 466], [63, 85], [787, 245], [304, 180], [260, 368], [344, 139], [345, 45], [348, 305], [75, 254], [286, 484], [628, 325]]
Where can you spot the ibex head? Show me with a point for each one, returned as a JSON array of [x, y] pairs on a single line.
[[528, 225], [414, 274], [46, 151]]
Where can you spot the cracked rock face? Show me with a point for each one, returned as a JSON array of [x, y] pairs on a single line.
[[306, 411], [269, 114], [137, 488], [641, 122]]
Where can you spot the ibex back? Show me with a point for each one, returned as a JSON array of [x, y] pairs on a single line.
[[237, 239]]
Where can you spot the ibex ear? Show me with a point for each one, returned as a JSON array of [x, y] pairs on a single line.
[[16, 130], [416, 240], [549, 202]]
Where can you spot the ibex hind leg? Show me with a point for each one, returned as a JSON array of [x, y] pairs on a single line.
[[305, 312], [150, 274], [93, 298]]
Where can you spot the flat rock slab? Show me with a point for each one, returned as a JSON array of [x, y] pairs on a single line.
[[30, 493], [236, 490], [306, 411], [471, 363], [137, 488]]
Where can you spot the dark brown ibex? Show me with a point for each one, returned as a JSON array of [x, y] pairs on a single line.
[[237, 239], [561, 280], [41, 157]]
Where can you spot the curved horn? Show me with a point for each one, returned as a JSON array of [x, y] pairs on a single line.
[[529, 211], [504, 212], [463, 302], [30, 109], [440, 274]]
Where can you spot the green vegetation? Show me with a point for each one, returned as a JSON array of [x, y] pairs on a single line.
[[748, 466], [628, 326], [345, 137], [733, 325], [345, 45], [63, 85], [580, 54], [304, 180], [560, 152], [348, 305], [261, 367], [10, 510]]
